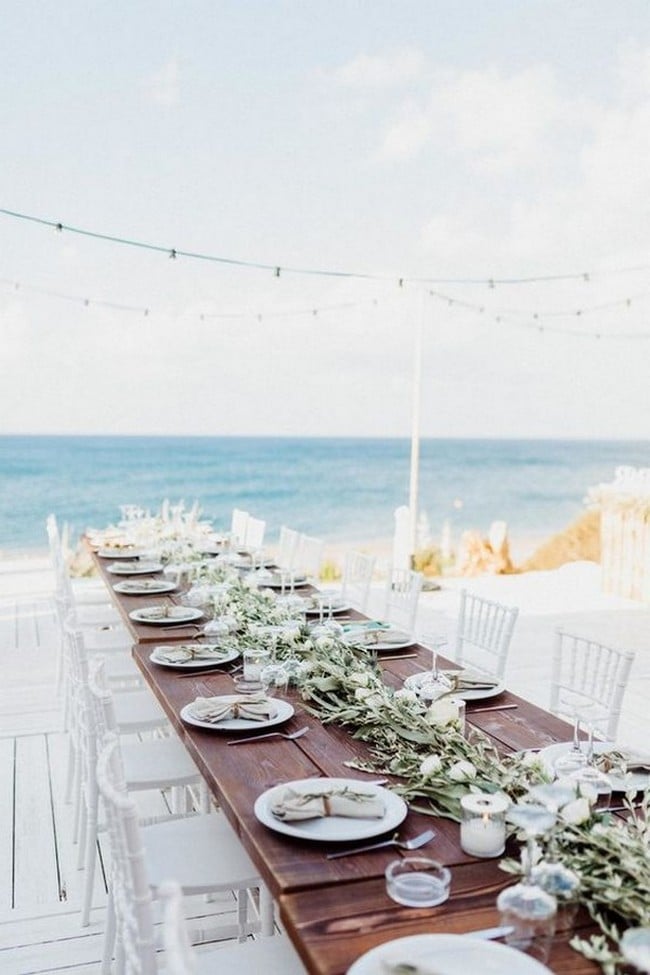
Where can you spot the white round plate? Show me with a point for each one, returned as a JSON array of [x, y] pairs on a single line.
[[283, 713], [276, 582], [413, 682], [333, 829], [620, 783], [144, 587], [119, 552], [173, 614], [134, 568], [448, 954], [379, 646], [195, 663]]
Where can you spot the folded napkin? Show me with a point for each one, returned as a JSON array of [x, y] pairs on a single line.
[[139, 584], [164, 612], [296, 804], [202, 651], [369, 638], [365, 625], [252, 707], [622, 760]]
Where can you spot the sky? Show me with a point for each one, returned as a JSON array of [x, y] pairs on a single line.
[[479, 173]]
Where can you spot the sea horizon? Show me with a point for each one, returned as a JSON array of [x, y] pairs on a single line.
[[340, 488]]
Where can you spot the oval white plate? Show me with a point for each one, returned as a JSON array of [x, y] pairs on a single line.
[[332, 606], [449, 954], [134, 568], [412, 683], [335, 829], [284, 712], [144, 587], [175, 614], [193, 663], [620, 783], [276, 582]]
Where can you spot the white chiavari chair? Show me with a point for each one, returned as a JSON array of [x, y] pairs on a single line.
[[483, 633], [357, 577], [153, 764], [309, 556], [403, 587], [238, 526], [202, 852], [273, 957], [254, 537], [589, 680], [287, 548]]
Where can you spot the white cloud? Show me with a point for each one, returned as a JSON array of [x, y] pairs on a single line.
[[382, 71], [163, 86], [407, 135]]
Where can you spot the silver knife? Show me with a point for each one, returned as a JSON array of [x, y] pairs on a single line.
[[489, 934]]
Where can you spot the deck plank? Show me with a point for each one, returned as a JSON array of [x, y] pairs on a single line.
[[6, 823], [36, 875]]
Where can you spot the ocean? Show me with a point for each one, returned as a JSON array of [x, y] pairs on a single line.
[[340, 489]]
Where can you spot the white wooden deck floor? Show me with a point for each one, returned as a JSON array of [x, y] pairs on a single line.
[[41, 886]]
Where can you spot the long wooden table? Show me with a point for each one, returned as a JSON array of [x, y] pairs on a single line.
[[335, 910]]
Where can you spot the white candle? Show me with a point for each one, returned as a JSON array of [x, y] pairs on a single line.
[[483, 829], [483, 837]]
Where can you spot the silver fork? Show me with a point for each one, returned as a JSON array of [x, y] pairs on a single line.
[[413, 844], [271, 734]]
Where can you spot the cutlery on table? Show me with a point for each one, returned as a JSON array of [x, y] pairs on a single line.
[[493, 707], [212, 670], [398, 656], [413, 844], [271, 734]]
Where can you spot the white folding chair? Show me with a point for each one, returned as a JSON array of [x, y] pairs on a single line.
[[238, 526], [254, 537], [201, 852], [357, 576], [287, 547], [403, 587], [273, 957], [483, 633], [589, 680]]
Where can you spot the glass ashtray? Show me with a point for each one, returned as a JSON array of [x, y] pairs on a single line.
[[417, 882]]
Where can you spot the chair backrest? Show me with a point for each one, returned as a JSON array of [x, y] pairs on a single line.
[[483, 633], [254, 537], [287, 547], [589, 679], [403, 587], [357, 576], [238, 525], [309, 555], [129, 888]]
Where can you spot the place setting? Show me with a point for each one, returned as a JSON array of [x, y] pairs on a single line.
[[166, 614], [193, 656], [377, 636], [145, 587], [134, 568]]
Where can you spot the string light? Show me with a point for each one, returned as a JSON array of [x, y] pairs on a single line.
[[488, 280]]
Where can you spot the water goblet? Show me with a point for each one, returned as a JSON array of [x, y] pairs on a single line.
[[526, 906], [575, 758]]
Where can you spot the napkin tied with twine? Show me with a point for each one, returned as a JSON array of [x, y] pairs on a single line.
[[252, 707], [186, 652], [296, 804]]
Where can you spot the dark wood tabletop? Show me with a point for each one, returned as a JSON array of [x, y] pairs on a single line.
[[335, 910]]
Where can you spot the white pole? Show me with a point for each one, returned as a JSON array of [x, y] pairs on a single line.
[[415, 428]]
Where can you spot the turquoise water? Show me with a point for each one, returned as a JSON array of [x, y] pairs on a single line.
[[337, 488]]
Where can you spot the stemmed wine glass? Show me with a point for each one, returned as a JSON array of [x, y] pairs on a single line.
[[588, 774], [433, 683], [550, 874], [526, 906]]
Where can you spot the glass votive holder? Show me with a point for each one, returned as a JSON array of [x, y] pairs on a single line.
[[274, 679], [483, 826], [417, 882], [255, 659]]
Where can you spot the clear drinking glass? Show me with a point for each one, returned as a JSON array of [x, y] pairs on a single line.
[[417, 882], [635, 948]]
